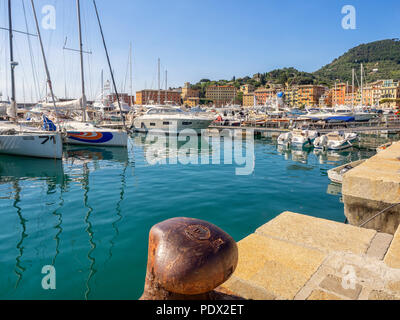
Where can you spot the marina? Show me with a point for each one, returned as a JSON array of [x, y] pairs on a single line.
[[122, 180], [85, 227]]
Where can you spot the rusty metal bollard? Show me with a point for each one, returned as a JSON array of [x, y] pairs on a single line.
[[187, 260]]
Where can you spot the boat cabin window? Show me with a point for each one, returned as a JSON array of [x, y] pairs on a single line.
[[186, 123], [152, 124], [166, 123], [164, 111]]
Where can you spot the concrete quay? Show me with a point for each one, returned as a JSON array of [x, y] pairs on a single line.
[[373, 187], [298, 257]]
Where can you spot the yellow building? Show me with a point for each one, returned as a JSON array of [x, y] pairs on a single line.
[[221, 95], [291, 96], [248, 100], [192, 102], [309, 95], [390, 94], [247, 89], [188, 92]]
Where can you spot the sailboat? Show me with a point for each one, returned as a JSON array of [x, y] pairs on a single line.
[[84, 133], [16, 139]]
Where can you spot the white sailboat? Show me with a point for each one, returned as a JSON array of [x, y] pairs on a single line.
[[22, 141], [86, 133]]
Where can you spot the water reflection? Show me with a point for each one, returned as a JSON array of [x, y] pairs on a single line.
[[19, 168], [295, 154], [19, 269], [160, 148], [85, 157], [24, 178]]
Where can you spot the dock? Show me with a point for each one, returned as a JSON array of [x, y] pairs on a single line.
[[299, 257], [372, 187]]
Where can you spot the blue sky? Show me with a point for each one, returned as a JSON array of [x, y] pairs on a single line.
[[194, 39]]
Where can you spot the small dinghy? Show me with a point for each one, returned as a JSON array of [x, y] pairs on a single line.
[[336, 174]]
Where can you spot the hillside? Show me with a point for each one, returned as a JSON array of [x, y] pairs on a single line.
[[381, 60]]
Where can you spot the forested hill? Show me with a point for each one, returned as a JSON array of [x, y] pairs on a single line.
[[381, 60]]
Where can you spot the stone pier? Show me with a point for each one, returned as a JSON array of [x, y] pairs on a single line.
[[298, 257], [372, 187]]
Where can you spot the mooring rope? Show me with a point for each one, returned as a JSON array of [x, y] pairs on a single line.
[[378, 214]]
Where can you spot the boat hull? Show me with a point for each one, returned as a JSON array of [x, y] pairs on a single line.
[[32, 145], [335, 174], [170, 126], [97, 138]]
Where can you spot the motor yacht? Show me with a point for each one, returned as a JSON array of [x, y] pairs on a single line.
[[170, 120]]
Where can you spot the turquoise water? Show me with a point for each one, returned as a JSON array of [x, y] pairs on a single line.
[[90, 214]]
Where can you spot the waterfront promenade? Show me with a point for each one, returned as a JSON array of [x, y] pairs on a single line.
[[298, 257]]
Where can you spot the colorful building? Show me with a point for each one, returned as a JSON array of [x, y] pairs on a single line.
[[291, 96], [390, 94], [248, 100], [124, 97], [188, 92], [309, 95], [192, 102], [221, 95], [263, 95], [154, 96], [247, 89]]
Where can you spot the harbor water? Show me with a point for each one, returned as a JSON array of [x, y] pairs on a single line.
[[89, 215]]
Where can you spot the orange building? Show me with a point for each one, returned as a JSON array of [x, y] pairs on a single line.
[[151, 96], [309, 95], [263, 95]]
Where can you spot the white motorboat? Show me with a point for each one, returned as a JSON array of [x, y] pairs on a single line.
[[84, 133], [303, 138], [170, 120], [285, 139], [336, 174], [336, 141]]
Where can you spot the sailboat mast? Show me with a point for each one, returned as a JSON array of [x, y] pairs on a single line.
[[362, 84], [83, 101], [102, 86], [12, 63], [166, 87], [45, 61], [131, 76], [352, 86], [159, 83], [109, 65]]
